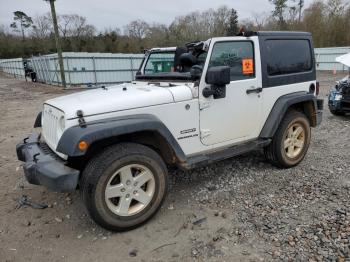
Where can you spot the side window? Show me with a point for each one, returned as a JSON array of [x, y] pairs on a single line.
[[160, 63], [288, 56], [239, 56]]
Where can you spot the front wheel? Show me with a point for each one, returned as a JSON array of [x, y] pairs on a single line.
[[290, 142], [124, 186]]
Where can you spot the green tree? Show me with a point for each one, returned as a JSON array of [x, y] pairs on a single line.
[[315, 22], [279, 12], [232, 28], [23, 20]]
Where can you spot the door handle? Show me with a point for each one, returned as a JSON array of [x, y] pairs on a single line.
[[254, 90]]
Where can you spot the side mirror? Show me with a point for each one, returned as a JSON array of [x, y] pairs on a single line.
[[196, 72], [218, 76]]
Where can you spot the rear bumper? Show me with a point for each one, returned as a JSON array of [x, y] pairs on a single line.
[[43, 167]]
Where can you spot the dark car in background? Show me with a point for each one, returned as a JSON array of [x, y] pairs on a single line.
[[339, 97]]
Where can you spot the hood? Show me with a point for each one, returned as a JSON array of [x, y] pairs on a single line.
[[119, 97]]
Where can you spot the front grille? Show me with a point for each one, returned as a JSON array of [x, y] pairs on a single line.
[[50, 122], [47, 150]]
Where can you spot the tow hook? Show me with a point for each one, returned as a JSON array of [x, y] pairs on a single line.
[[35, 159]]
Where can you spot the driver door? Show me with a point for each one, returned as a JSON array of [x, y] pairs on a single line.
[[236, 117]]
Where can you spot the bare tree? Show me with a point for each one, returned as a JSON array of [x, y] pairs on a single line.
[[42, 26], [292, 15], [259, 20], [202, 25], [137, 29], [299, 8], [336, 7], [74, 26]]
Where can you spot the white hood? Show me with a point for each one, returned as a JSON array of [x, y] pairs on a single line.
[[118, 98]]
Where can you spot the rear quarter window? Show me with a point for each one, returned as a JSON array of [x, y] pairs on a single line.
[[288, 56]]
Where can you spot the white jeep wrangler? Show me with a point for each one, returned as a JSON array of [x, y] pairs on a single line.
[[189, 106]]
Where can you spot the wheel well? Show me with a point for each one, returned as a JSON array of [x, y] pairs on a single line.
[[151, 139], [285, 105], [307, 108]]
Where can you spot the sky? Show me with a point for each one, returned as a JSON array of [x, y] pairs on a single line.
[[116, 13]]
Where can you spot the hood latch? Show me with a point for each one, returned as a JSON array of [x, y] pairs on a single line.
[[81, 119]]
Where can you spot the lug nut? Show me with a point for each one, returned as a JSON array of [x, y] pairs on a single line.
[[135, 184], [128, 182], [135, 192], [123, 190], [127, 196]]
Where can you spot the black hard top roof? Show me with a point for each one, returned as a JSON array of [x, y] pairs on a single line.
[[283, 33]]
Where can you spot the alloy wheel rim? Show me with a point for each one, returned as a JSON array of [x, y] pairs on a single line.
[[129, 190], [294, 140]]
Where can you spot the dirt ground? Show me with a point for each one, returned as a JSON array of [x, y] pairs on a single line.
[[239, 209]]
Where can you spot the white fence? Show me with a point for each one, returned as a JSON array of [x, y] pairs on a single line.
[[325, 58], [80, 68], [87, 68], [12, 66]]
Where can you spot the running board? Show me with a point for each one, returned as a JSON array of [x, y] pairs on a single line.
[[209, 158]]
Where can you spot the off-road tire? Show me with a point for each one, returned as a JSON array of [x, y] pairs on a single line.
[[101, 168], [275, 152]]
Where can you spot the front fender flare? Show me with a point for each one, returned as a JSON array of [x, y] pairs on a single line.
[[113, 127], [37, 122]]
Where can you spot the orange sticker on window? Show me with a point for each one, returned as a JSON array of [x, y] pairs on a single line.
[[248, 66]]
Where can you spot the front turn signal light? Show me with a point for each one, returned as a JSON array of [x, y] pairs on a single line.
[[83, 145]]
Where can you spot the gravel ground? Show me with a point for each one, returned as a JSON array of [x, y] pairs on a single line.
[[239, 209]]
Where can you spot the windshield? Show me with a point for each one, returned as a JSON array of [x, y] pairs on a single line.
[[172, 64], [160, 63]]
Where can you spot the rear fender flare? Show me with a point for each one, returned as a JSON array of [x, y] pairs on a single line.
[[282, 105]]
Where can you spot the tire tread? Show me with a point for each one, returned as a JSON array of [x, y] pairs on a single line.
[[99, 163]]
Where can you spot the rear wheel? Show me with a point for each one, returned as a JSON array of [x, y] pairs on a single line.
[[290, 142], [124, 186]]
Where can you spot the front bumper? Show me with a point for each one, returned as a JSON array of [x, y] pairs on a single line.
[[338, 105], [43, 167], [334, 105]]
